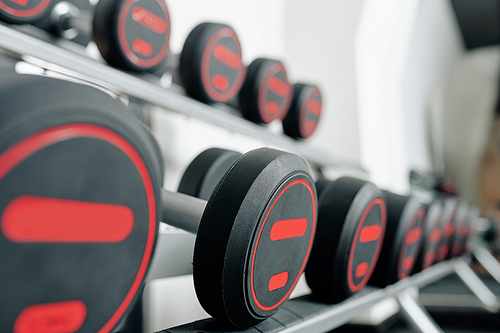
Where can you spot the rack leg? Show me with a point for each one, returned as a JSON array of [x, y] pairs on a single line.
[[416, 315], [487, 260], [477, 286]]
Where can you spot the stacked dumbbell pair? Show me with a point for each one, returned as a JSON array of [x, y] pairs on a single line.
[[134, 36]]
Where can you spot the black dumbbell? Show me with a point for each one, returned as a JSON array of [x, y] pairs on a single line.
[[81, 200], [23, 11], [283, 244], [432, 235], [351, 227], [403, 239], [305, 111], [461, 231], [448, 226]]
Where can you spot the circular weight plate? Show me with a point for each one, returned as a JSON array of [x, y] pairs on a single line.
[[351, 228], [303, 117], [205, 171], [23, 11], [255, 237], [210, 63], [403, 239], [432, 235], [132, 34], [461, 232], [448, 226], [266, 94], [78, 211]]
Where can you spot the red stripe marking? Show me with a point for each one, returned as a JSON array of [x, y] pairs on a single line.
[[220, 82], [370, 233], [408, 263], [463, 230], [142, 47], [314, 107], [149, 20], [272, 107], [361, 269], [278, 86], [413, 235], [21, 2], [58, 317], [227, 56], [285, 229], [278, 281], [429, 258], [448, 229], [435, 235], [443, 250], [310, 126], [41, 219]]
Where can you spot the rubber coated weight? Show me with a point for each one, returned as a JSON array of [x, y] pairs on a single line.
[[23, 11], [461, 230], [76, 239], [132, 35], [403, 239], [205, 171], [266, 94], [255, 237], [449, 212], [210, 63], [432, 235], [304, 113], [351, 228]]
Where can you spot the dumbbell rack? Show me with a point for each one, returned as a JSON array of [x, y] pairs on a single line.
[[21, 41]]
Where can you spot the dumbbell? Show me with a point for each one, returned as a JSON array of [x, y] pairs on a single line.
[[282, 246], [351, 227], [81, 201], [432, 235], [403, 239], [449, 212], [462, 228], [132, 35], [305, 111]]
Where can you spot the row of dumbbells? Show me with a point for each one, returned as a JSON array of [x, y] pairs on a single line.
[[82, 198], [134, 36]]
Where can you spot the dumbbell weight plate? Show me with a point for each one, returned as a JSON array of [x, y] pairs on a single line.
[[448, 226], [132, 35], [351, 228], [210, 63], [266, 94], [432, 235], [255, 237], [461, 232], [23, 11], [403, 239], [76, 238], [304, 113]]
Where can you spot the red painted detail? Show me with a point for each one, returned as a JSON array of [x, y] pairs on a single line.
[[313, 230], [272, 107], [463, 230], [277, 86], [408, 263], [413, 235], [457, 249], [285, 229], [361, 269], [21, 2], [435, 235], [448, 229], [310, 126], [149, 20], [30, 145], [30, 219], [278, 280], [142, 47], [370, 233], [227, 56], [314, 107], [220, 82], [429, 258], [443, 250], [61, 317]]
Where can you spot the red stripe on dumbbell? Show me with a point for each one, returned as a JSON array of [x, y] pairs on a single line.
[[413, 235], [429, 257], [370, 233], [361, 269], [448, 229], [142, 47], [272, 107], [149, 20], [443, 250], [220, 82], [278, 281], [21, 2], [51, 318], [435, 235], [278, 86], [227, 56], [285, 229], [30, 219], [314, 107], [408, 263]]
